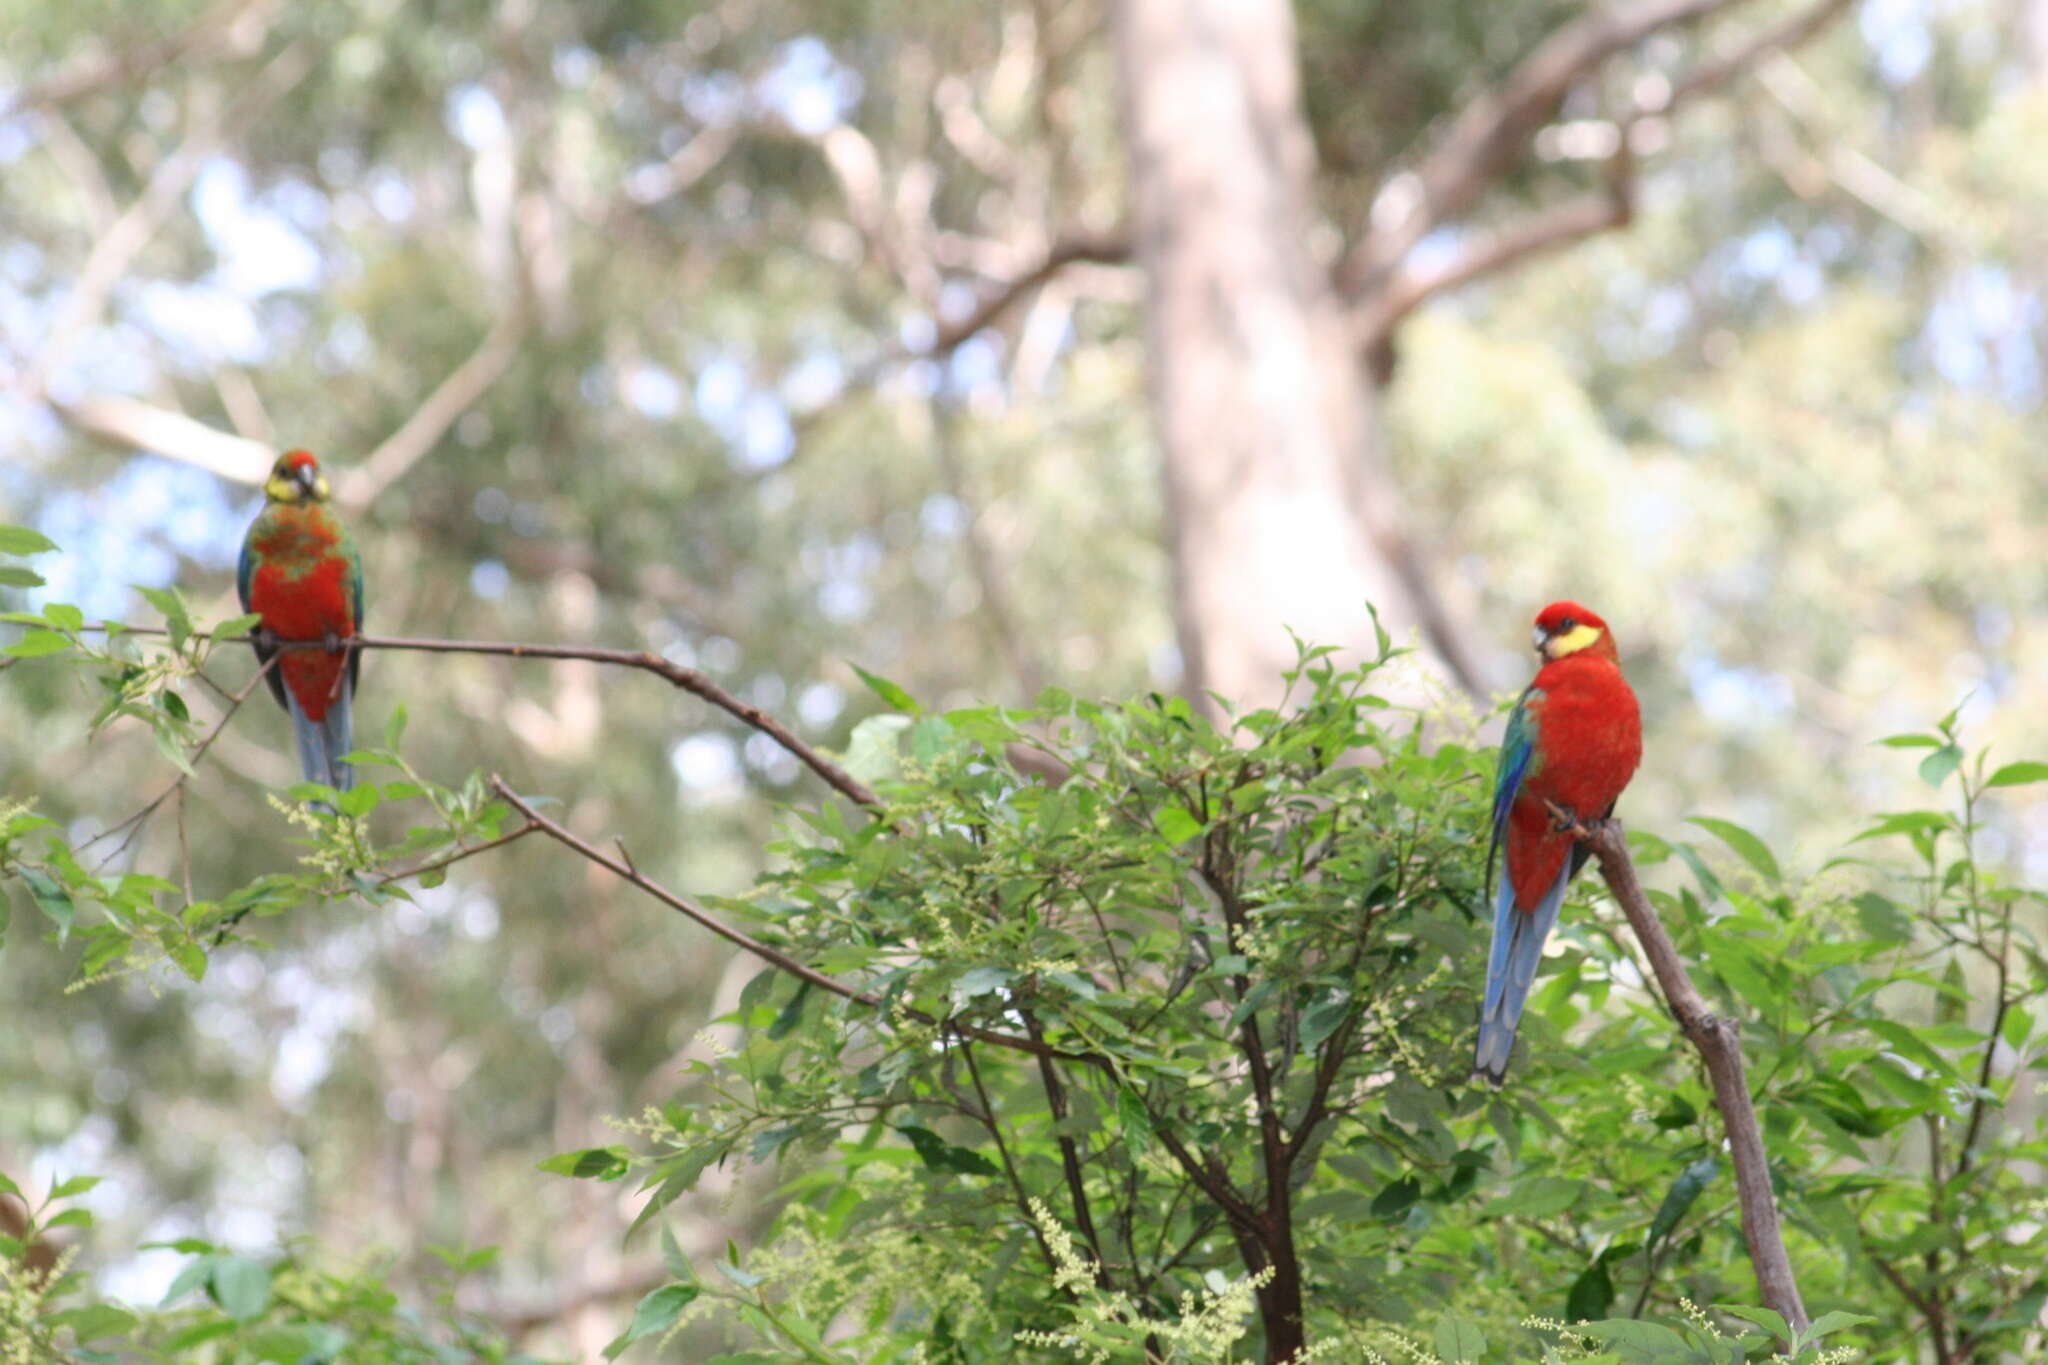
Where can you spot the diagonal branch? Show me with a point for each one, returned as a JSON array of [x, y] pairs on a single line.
[[1400, 290], [1559, 226], [1490, 133], [417, 435], [1719, 1040], [98, 71], [162, 431], [118, 246], [1087, 249], [774, 957]]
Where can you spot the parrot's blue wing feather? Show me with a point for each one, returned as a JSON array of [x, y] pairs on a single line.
[[1517, 754], [1518, 937]]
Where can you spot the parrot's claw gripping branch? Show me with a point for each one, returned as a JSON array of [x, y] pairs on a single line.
[[1719, 1040]]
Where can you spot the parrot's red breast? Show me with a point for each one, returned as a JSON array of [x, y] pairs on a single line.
[[301, 586]]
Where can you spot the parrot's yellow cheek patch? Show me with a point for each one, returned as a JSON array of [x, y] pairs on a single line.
[[1572, 641]]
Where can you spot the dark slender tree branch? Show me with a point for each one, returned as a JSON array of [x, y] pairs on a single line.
[[688, 679], [774, 957], [462, 854], [1070, 1152], [1097, 250], [1719, 1041], [995, 1130]]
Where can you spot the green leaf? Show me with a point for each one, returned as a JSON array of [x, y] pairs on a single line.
[[94, 1320], [37, 643], [14, 576], [52, 899], [70, 1218], [2018, 774], [1540, 1196], [1628, 1332], [7, 1186], [64, 616], [656, 1313], [941, 1155], [177, 616], [672, 1256], [1395, 1199], [1592, 1293], [887, 691], [361, 800], [1321, 1019], [1132, 1120], [1458, 1339], [1680, 1197], [190, 957], [592, 1163], [237, 625], [19, 540], [1751, 849], [1176, 824], [1832, 1322], [2017, 1027], [241, 1286], [976, 982], [76, 1185], [1912, 741], [1765, 1318], [871, 753], [1936, 767]]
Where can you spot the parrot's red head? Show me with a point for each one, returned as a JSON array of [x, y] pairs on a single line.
[[1564, 628], [296, 477]]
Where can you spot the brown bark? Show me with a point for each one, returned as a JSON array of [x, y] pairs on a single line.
[[1719, 1040], [1265, 420]]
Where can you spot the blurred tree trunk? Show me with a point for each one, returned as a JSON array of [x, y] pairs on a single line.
[[1268, 422]]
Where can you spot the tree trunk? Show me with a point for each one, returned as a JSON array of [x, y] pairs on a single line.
[[1266, 420]]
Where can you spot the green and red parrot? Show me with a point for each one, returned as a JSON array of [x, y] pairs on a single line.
[[1573, 741], [300, 572]]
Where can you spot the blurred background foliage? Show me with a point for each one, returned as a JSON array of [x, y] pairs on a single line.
[[641, 325]]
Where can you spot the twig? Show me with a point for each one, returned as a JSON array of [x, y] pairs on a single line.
[[1398, 290], [1719, 1041], [1097, 250], [111, 254], [774, 957], [1490, 132], [419, 433], [133, 824], [100, 71], [688, 679], [467, 852]]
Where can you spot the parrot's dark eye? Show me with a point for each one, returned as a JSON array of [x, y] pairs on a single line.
[[1566, 624]]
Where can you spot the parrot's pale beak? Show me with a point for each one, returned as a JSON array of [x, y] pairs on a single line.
[[1541, 638]]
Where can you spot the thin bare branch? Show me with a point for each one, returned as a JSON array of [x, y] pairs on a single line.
[[144, 426], [1491, 131], [1719, 1040], [688, 679], [1401, 290], [1558, 226], [97, 71], [417, 435], [1093, 249], [774, 957], [117, 248]]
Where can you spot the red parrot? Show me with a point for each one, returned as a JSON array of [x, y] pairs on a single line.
[[1574, 741], [300, 572]]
